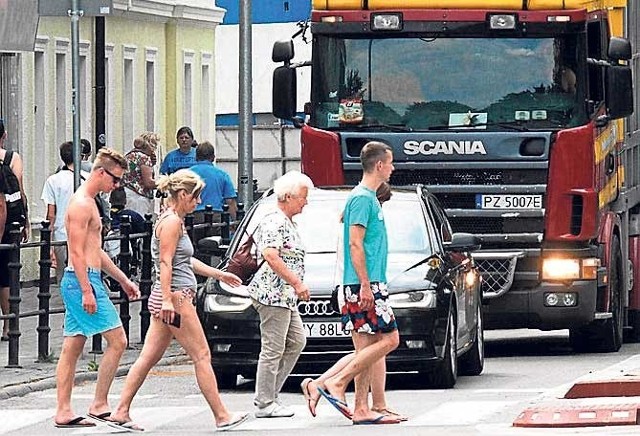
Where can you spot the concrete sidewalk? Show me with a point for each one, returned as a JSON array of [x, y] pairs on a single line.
[[35, 376]]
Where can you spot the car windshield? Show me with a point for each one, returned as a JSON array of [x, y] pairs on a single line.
[[319, 224], [448, 83]]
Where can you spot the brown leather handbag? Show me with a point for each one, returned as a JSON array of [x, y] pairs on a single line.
[[244, 262]]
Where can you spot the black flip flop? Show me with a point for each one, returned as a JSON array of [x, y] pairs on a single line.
[[77, 422], [102, 417]]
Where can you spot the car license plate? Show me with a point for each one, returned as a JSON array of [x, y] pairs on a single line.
[[324, 329], [505, 201]]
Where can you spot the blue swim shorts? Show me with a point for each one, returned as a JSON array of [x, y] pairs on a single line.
[[76, 320]]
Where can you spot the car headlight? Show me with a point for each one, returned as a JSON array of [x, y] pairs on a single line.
[[570, 269], [414, 300], [226, 303]]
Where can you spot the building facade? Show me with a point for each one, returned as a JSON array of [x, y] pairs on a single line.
[[159, 69]]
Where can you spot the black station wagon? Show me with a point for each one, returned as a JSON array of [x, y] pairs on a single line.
[[433, 284]]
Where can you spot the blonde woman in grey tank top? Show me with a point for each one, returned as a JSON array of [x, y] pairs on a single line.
[[172, 296]]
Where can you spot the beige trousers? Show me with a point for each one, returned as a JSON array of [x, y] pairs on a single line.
[[282, 340]]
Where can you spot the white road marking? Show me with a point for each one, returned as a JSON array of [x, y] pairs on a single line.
[[457, 413], [15, 419], [49, 394]]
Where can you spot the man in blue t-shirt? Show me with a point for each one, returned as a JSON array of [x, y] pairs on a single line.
[[218, 188], [366, 313], [182, 157]]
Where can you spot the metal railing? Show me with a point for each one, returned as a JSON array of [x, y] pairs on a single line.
[[125, 260]]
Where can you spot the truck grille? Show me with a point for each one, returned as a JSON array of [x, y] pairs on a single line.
[[481, 177], [496, 225], [497, 275]]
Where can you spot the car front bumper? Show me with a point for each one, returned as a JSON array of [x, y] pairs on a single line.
[[234, 340]]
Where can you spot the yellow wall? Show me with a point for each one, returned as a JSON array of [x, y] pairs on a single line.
[[166, 37]]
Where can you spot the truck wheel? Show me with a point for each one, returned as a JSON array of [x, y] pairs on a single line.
[[445, 374], [633, 335], [472, 362], [613, 327], [605, 336]]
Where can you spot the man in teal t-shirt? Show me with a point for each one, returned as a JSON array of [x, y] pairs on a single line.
[[363, 209], [366, 312]]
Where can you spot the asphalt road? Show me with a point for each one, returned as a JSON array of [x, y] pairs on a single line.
[[521, 367]]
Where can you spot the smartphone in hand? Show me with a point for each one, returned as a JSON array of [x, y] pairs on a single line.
[[175, 322]]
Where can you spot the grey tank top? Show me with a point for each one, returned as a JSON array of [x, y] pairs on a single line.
[[182, 275]]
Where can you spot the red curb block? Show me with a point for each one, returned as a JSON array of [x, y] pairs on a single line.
[[578, 416], [622, 387]]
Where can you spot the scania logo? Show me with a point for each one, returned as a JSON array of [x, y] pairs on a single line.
[[315, 308], [443, 147]]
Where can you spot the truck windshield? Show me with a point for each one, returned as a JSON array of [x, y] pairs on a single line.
[[448, 83]]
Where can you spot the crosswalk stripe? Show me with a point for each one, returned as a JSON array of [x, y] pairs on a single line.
[[452, 413], [456, 413], [509, 391], [155, 417], [15, 419], [81, 396]]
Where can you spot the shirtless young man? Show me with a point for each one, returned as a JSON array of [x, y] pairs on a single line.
[[88, 308]]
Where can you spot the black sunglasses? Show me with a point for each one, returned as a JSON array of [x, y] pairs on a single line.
[[116, 179]]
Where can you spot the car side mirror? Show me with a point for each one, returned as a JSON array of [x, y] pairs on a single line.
[[211, 246], [462, 242]]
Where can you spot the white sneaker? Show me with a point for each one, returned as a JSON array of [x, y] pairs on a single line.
[[274, 410]]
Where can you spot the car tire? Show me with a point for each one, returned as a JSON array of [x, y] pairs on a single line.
[[605, 336], [472, 362], [226, 379], [445, 374]]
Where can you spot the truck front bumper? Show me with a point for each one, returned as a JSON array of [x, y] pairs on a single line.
[[522, 307]]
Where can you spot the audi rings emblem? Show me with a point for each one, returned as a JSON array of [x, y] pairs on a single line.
[[315, 308]]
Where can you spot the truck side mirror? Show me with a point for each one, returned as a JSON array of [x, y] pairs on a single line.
[[282, 51], [619, 49], [619, 91], [284, 92]]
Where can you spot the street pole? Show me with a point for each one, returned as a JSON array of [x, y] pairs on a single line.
[[99, 74], [245, 109], [75, 13]]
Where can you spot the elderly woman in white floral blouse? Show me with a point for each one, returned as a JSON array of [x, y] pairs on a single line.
[[275, 290]]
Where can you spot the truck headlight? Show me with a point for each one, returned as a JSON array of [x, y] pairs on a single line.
[[226, 303], [570, 269], [414, 300]]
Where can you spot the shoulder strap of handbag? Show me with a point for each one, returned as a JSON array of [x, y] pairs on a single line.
[[254, 241], [7, 157]]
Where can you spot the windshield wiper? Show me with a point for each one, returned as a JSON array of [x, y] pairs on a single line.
[[392, 127], [513, 125]]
